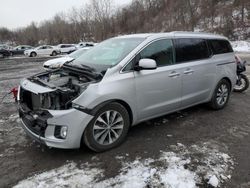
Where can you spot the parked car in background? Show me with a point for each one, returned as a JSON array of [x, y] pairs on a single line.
[[58, 62], [123, 81], [67, 48], [4, 52], [6, 47], [19, 50], [42, 50], [84, 44]]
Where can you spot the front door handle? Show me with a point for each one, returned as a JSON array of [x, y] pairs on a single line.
[[174, 74], [188, 71]]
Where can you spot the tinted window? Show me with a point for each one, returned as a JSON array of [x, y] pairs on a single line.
[[161, 51], [220, 46], [189, 49]]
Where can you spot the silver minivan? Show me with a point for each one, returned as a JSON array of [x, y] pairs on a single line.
[[123, 81]]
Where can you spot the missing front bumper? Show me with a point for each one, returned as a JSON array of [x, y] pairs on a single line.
[[75, 120]]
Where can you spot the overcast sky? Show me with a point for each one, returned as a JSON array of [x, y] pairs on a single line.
[[19, 13]]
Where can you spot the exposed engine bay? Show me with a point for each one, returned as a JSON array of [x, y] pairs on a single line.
[[66, 84]]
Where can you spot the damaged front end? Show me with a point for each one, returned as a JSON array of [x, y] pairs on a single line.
[[49, 95], [56, 89]]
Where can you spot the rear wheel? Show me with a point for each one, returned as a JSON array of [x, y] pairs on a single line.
[[33, 54], [242, 84], [221, 95], [108, 128]]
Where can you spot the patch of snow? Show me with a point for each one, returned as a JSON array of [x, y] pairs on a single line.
[[182, 167], [241, 46], [213, 181], [120, 157], [68, 175], [14, 116], [135, 174]]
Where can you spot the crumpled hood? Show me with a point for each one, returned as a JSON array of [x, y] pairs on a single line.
[[57, 61], [33, 87]]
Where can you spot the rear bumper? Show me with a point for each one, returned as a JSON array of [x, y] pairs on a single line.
[[75, 120]]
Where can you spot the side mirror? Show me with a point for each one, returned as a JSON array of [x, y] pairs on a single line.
[[146, 64]]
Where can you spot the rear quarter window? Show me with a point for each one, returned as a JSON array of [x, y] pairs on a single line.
[[220, 46]]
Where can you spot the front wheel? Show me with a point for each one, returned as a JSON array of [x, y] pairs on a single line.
[[54, 53], [108, 128], [221, 95], [242, 84]]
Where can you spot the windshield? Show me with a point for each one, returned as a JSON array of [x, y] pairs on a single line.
[[108, 53], [78, 53]]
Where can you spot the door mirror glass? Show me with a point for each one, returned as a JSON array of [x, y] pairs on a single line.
[[147, 64]]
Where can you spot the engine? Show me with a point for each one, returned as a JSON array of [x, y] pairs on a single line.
[[66, 87]]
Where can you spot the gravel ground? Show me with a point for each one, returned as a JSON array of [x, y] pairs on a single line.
[[226, 131]]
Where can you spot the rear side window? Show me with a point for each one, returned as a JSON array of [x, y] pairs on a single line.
[[220, 46], [161, 51], [188, 49]]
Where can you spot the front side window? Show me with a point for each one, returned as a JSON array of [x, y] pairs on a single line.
[[161, 51], [189, 49]]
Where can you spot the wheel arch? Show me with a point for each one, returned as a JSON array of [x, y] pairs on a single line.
[[122, 102], [229, 81], [33, 52], [98, 107]]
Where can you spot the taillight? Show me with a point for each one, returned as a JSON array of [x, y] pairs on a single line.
[[237, 59]]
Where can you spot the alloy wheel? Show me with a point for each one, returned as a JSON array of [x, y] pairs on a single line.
[[108, 127], [242, 84], [222, 94]]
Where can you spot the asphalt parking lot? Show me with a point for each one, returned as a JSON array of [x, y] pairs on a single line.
[[212, 133]]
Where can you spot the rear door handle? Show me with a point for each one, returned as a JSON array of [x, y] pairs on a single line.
[[174, 74], [188, 71]]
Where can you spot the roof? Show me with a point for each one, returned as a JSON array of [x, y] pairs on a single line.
[[174, 34]]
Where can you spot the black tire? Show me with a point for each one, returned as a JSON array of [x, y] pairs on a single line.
[[88, 135], [214, 103], [54, 53], [33, 54], [245, 87]]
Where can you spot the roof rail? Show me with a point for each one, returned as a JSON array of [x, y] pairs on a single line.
[[193, 32]]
